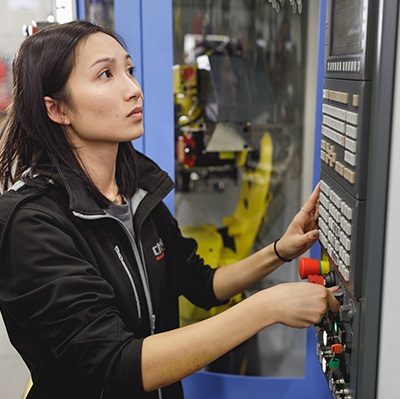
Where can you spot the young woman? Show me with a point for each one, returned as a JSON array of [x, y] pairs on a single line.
[[92, 262]]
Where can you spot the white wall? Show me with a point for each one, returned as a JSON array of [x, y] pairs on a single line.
[[16, 13], [389, 351]]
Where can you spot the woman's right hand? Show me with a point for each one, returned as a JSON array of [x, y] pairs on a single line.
[[299, 305]]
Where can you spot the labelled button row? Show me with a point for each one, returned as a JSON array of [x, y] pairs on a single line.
[[334, 123], [329, 157], [336, 112], [343, 141], [336, 222], [336, 255], [334, 212], [341, 114], [349, 144], [339, 203], [338, 252], [328, 195], [334, 136], [335, 228], [336, 96], [345, 271], [344, 66], [345, 240]]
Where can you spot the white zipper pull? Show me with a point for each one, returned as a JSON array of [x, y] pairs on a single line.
[[117, 250], [153, 322]]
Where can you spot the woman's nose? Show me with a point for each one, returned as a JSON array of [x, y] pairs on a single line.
[[133, 89]]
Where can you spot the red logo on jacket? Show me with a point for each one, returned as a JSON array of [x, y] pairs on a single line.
[[158, 250]]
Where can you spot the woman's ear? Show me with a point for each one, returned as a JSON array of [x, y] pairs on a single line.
[[55, 111]]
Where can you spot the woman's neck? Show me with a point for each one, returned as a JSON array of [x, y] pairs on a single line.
[[101, 167]]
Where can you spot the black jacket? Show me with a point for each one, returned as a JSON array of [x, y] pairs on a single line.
[[78, 294]]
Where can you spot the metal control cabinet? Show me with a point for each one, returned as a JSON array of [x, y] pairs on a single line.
[[356, 131]]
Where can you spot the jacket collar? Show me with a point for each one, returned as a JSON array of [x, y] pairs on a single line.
[[156, 182], [152, 179]]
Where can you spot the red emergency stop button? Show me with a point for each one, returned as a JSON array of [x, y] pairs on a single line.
[[310, 266]]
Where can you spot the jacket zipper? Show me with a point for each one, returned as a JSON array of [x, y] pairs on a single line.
[[145, 281], [143, 276], [121, 258], [142, 271], [139, 260]]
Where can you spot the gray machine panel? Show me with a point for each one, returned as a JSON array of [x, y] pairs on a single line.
[[345, 133], [355, 145]]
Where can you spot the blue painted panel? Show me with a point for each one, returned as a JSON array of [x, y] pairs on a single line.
[[320, 86], [157, 53], [81, 9], [316, 250], [128, 24]]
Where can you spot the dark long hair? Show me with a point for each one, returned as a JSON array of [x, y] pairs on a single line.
[[29, 139]]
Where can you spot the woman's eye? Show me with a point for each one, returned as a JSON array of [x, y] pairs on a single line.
[[105, 74], [131, 71]]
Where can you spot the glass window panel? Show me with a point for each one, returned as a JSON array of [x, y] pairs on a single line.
[[238, 74], [101, 12]]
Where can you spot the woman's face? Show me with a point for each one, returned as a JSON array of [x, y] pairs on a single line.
[[106, 98]]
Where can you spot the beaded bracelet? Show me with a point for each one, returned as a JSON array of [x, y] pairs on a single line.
[[276, 253]]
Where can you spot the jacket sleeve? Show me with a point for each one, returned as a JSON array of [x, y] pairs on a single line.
[[54, 294], [195, 278]]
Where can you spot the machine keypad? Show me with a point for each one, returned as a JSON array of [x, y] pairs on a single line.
[[335, 223], [340, 127]]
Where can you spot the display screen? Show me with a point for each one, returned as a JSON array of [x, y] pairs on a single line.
[[346, 27]]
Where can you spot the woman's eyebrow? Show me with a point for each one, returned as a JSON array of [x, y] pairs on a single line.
[[108, 59]]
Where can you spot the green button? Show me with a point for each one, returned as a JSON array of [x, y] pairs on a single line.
[[334, 363]]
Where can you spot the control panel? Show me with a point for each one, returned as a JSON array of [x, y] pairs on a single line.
[[346, 106], [342, 213], [344, 153]]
